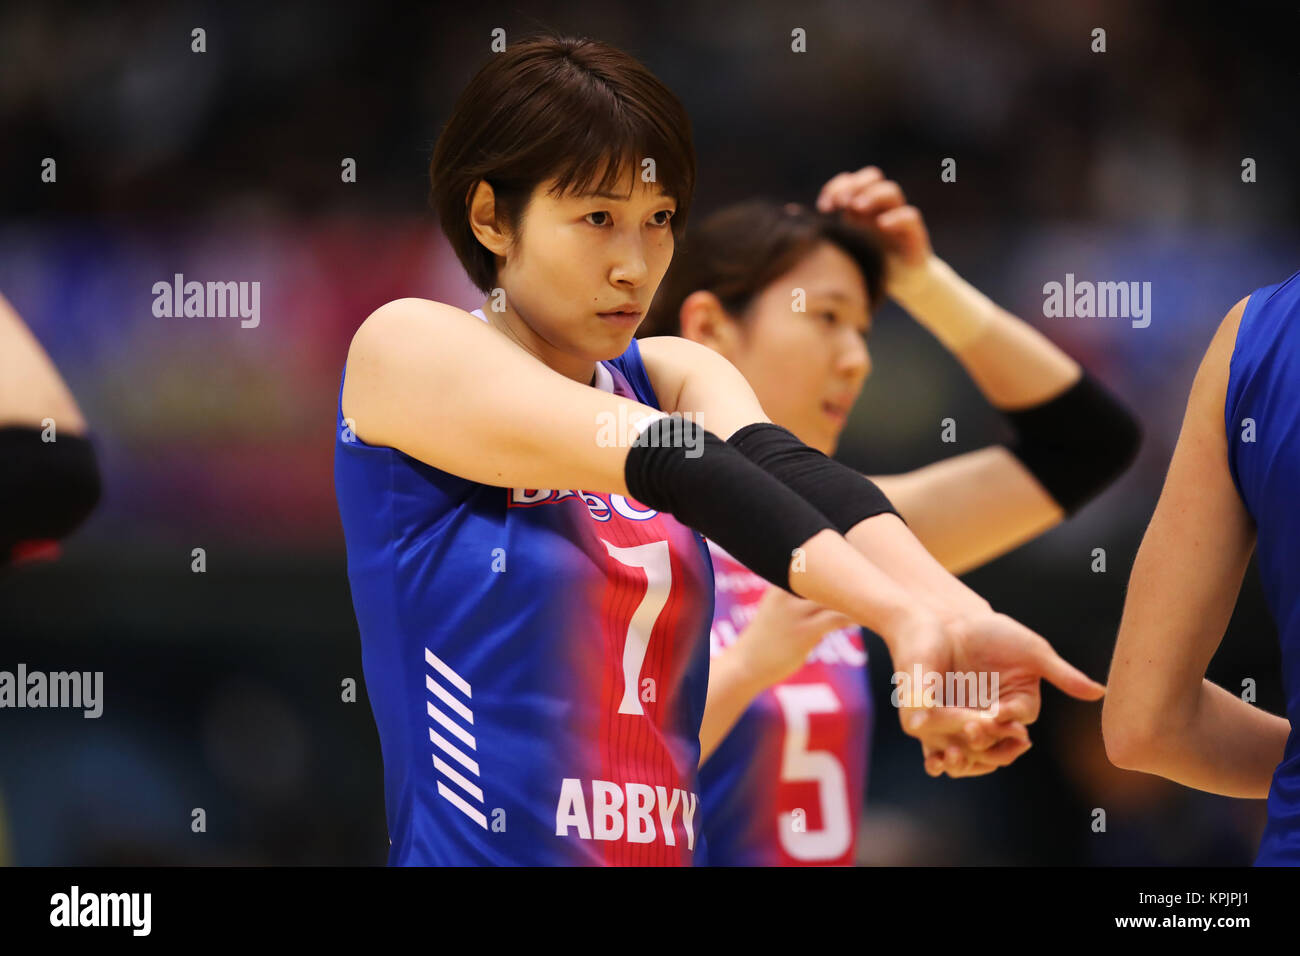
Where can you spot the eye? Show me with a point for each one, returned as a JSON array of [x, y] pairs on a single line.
[[829, 316], [658, 223]]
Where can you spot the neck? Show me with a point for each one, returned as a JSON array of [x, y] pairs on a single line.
[[518, 331]]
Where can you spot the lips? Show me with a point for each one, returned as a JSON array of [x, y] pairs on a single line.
[[837, 410], [629, 315]]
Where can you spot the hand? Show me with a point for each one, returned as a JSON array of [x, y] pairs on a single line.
[[782, 633], [871, 202], [971, 741]]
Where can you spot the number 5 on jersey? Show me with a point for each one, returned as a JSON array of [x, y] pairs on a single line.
[[799, 764]]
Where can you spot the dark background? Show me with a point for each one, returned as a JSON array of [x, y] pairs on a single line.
[[222, 689]]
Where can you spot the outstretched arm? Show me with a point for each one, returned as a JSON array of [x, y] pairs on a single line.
[[690, 377], [405, 387], [1161, 715]]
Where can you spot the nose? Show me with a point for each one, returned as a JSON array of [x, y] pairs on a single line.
[[853, 359], [628, 251]]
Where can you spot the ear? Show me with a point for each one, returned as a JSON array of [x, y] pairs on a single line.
[[483, 218], [704, 320]]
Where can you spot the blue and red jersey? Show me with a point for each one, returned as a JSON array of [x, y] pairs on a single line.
[[536, 660], [786, 786]]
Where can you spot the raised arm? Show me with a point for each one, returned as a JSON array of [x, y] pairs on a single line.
[[971, 508], [1073, 438], [1161, 715]]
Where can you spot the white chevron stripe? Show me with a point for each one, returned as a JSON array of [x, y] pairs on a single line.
[[434, 661], [437, 690], [465, 736], [454, 752], [455, 800], [459, 732], [451, 774]]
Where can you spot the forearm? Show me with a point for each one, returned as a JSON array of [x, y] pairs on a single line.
[[888, 543], [1011, 363], [732, 687], [1225, 746], [830, 570], [871, 529], [969, 509], [1070, 433], [766, 524]]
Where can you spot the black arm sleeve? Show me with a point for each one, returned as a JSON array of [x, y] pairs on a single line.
[[47, 489], [837, 491], [678, 467], [1077, 443]]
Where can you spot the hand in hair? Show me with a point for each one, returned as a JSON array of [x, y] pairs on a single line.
[[870, 201]]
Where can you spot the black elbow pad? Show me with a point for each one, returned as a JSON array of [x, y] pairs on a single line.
[[837, 491], [1077, 443], [722, 495], [47, 489]]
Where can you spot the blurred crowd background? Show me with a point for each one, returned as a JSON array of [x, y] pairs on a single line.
[[223, 689]]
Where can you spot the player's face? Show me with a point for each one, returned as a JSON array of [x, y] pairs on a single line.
[[579, 258], [808, 367]]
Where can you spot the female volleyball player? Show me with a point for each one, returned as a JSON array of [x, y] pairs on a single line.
[[787, 294], [1230, 490], [49, 478], [523, 504]]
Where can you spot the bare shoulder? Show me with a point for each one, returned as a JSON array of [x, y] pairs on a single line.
[[1225, 339], [408, 334], [669, 352], [403, 347], [690, 377], [678, 349], [1210, 389], [394, 324], [671, 360]]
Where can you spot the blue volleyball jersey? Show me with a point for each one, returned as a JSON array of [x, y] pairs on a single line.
[[536, 660], [786, 785], [1262, 422]]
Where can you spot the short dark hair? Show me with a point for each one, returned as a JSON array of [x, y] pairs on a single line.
[[738, 251], [555, 106]]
